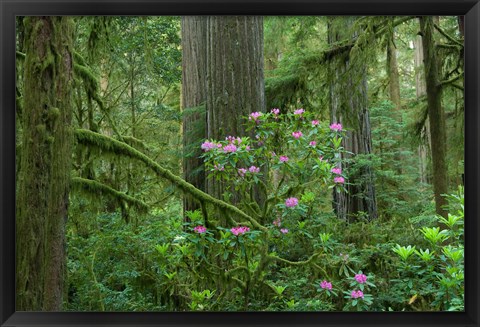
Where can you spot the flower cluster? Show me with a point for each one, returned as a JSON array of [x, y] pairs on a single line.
[[313, 143], [275, 111], [339, 180], [242, 172], [239, 230], [297, 135], [291, 202], [298, 111], [207, 146], [326, 285], [336, 127], [229, 148], [356, 294], [200, 229], [284, 230], [283, 158], [315, 122], [337, 171], [254, 116], [254, 169], [233, 139], [361, 278]]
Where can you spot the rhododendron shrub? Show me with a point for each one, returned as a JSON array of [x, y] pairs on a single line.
[[292, 158]]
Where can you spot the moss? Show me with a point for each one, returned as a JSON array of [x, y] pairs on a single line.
[[96, 187], [106, 143]]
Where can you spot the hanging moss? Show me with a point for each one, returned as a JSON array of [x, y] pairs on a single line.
[[96, 187], [106, 143]]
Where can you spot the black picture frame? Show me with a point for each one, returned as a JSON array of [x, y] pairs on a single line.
[[11, 8]]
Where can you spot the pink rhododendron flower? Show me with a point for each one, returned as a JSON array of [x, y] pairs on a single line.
[[254, 169], [315, 122], [283, 158], [337, 171], [299, 111], [275, 111], [242, 172], [361, 278], [297, 135], [357, 294], [284, 230], [229, 148], [239, 230], [207, 146], [326, 285], [336, 127], [313, 143], [200, 229], [291, 202], [247, 148], [339, 180], [254, 116]]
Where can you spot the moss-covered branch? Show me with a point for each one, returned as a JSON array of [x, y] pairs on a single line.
[[106, 143], [99, 188], [449, 37], [294, 263]]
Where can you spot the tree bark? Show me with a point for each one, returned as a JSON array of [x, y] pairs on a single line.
[[194, 44], [235, 84], [43, 184], [436, 114], [350, 108]]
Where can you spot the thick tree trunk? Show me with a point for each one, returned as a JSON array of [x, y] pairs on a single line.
[[393, 76], [436, 114], [351, 110], [43, 184], [235, 84], [194, 44]]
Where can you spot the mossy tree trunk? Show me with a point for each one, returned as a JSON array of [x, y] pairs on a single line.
[[350, 109], [43, 184], [436, 113], [194, 61], [235, 81]]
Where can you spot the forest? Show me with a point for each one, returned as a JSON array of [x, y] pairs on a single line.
[[239, 163]]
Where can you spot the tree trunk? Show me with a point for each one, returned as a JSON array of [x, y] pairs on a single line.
[[436, 114], [393, 76], [43, 185], [194, 30], [235, 84], [351, 110]]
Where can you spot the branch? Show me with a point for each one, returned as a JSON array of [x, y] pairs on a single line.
[[451, 80], [450, 38], [106, 143], [294, 263], [99, 188]]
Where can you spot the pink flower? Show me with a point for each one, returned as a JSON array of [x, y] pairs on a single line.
[[247, 148], [337, 171], [357, 294], [254, 169], [315, 122], [313, 143], [275, 111], [242, 172], [326, 285], [361, 278], [298, 111], [291, 202], [254, 116], [200, 229], [239, 230], [283, 158], [277, 222], [284, 230], [229, 148], [339, 180], [207, 146], [336, 127], [297, 135]]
